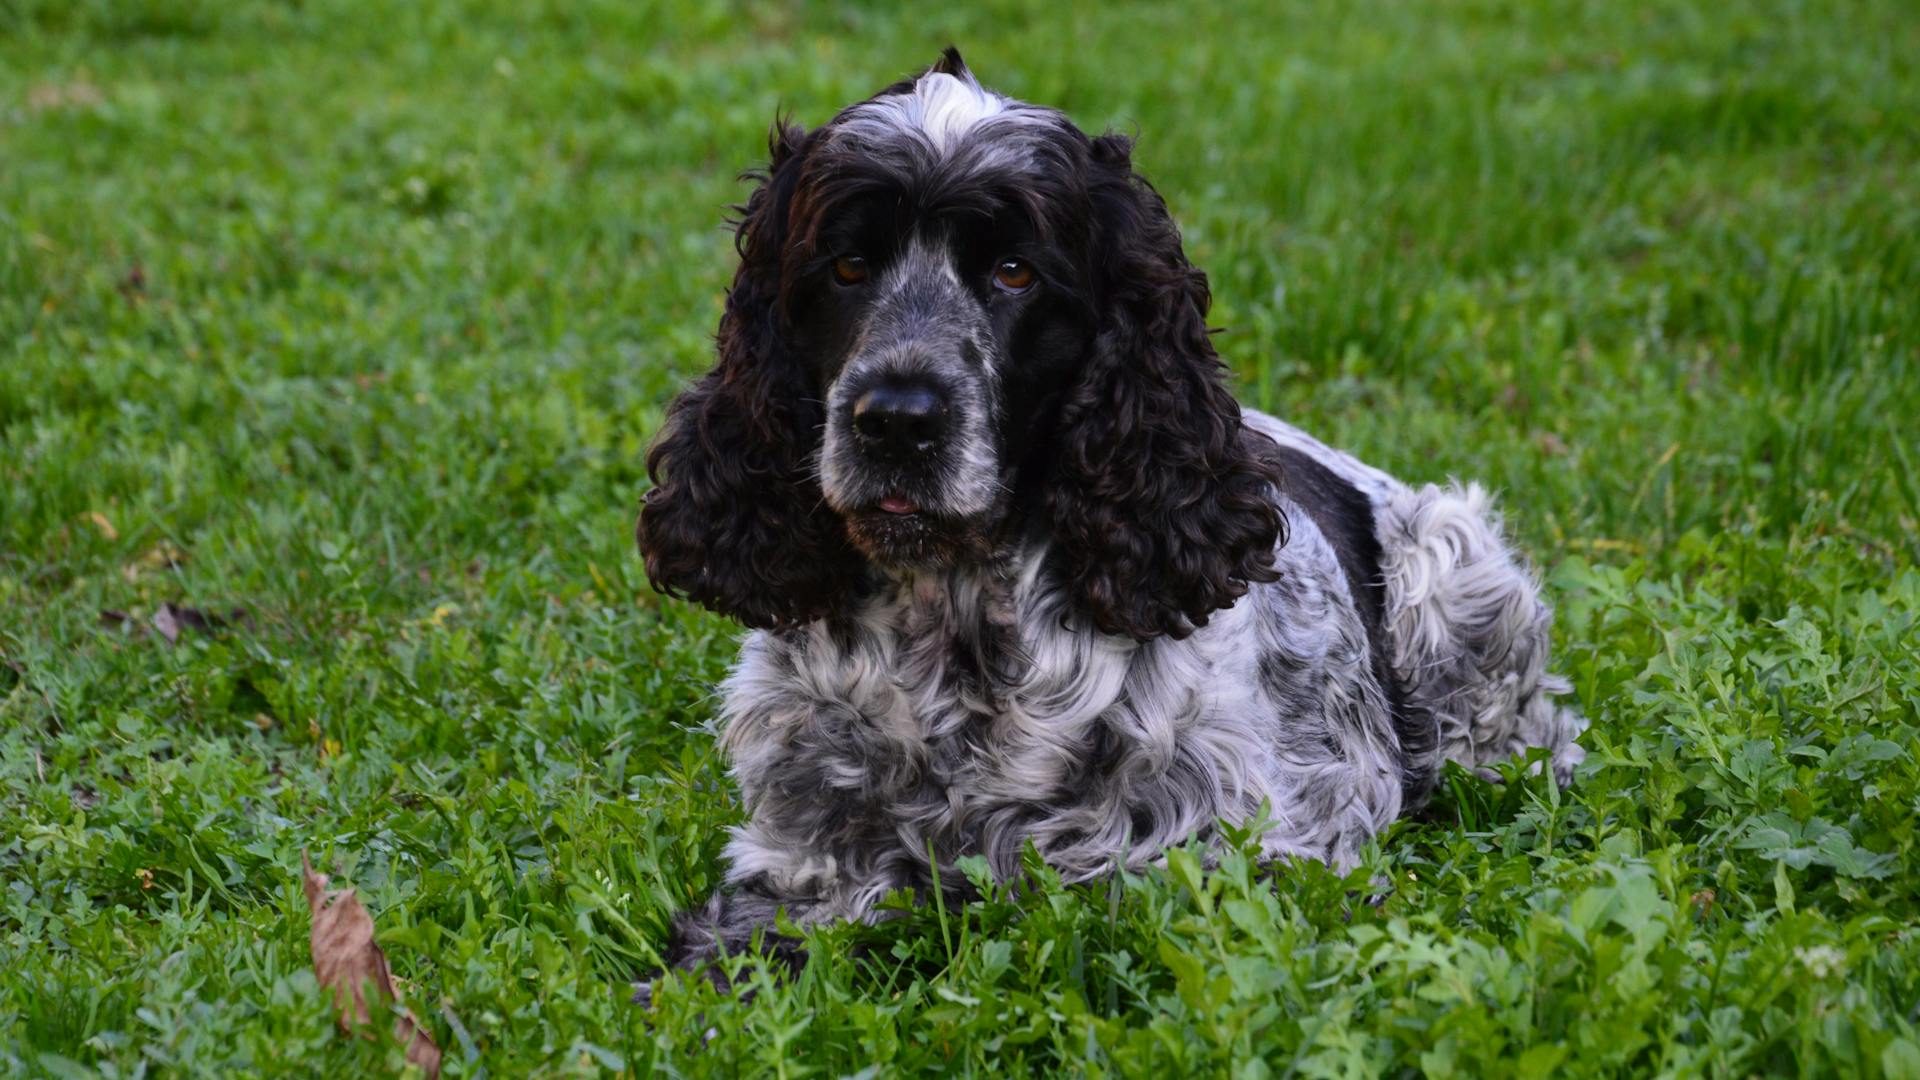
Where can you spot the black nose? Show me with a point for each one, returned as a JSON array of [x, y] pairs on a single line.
[[899, 422]]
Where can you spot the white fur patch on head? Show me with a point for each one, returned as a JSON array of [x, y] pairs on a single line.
[[945, 108], [940, 109]]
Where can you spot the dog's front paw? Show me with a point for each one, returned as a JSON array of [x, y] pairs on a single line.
[[728, 923], [643, 992]]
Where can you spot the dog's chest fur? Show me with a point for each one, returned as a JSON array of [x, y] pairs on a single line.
[[968, 713]]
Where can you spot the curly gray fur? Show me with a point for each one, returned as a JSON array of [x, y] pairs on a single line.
[[972, 710]]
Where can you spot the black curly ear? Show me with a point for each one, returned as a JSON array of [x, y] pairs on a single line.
[[735, 519], [1162, 505]]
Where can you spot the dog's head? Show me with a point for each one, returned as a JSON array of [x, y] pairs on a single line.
[[958, 322]]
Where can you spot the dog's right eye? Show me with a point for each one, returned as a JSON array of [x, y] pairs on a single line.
[[849, 269], [1013, 277]]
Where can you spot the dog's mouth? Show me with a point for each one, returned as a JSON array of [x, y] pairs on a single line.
[[897, 530]]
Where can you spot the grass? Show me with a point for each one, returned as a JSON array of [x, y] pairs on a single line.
[[360, 316]]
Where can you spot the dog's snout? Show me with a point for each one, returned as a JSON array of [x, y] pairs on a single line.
[[900, 421]]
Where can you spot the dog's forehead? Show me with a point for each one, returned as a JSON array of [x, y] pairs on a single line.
[[939, 107], [941, 113]]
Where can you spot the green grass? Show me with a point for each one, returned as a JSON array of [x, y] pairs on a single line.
[[361, 316]]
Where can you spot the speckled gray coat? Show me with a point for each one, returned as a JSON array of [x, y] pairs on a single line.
[[862, 754]]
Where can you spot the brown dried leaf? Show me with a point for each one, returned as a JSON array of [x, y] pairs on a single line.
[[346, 961], [172, 618]]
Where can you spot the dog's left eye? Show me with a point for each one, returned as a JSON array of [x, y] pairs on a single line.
[[1013, 276], [850, 269]]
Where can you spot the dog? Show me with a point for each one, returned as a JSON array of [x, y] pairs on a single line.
[[1019, 568]]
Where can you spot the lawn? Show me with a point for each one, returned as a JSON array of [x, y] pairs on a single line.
[[358, 318]]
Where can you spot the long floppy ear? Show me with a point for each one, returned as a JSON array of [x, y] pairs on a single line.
[[736, 520], [1162, 505]]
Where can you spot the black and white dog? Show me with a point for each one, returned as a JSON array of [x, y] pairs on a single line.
[[1021, 567]]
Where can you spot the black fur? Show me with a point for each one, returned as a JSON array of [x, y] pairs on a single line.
[[735, 520], [1160, 500], [1345, 517]]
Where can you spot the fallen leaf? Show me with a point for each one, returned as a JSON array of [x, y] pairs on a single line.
[[165, 622], [172, 618], [346, 961]]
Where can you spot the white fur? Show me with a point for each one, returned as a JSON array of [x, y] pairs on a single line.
[[940, 109], [952, 121]]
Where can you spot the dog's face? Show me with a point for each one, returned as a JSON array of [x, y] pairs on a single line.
[[939, 310], [958, 322]]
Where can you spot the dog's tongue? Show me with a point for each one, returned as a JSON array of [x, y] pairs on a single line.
[[899, 504]]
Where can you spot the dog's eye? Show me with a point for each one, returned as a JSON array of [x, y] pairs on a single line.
[[850, 269], [1013, 276]]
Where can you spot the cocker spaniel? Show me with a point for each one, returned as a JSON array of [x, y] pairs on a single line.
[[1020, 568]]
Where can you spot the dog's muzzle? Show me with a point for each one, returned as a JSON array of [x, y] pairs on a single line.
[[910, 457], [909, 460]]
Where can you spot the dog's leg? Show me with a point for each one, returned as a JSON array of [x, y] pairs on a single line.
[[726, 925]]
